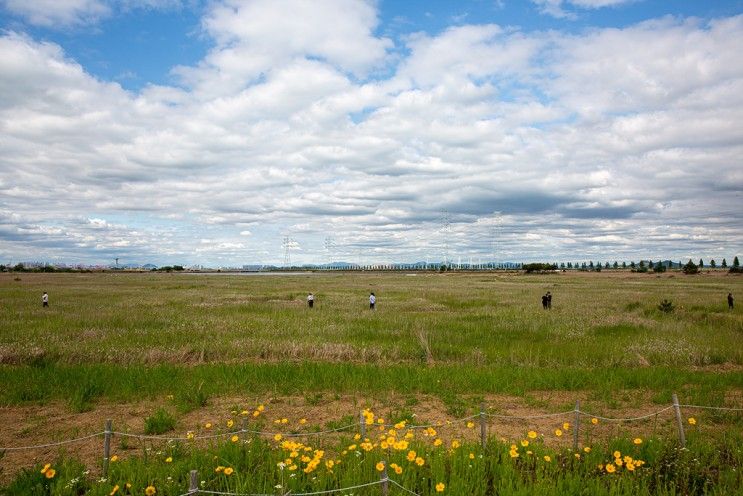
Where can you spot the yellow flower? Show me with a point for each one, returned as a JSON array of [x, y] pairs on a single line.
[[524, 443], [261, 408], [617, 454], [208, 425], [558, 432], [437, 442], [45, 468], [284, 421], [169, 459], [356, 437], [440, 487], [302, 421], [50, 473], [277, 437], [630, 466], [234, 438], [190, 435], [514, 453], [637, 440], [587, 449], [114, 490], [455, 444], [398, 469], [380, 421], [610, 468], [470, 425], [566, 425], [692, 421], [411, 456], [532, 435], [420, 461], [577, 455], [150, 490], [230, 423], [228, 471], [219, 469], [292, 467], [547, 458], [244, 413], [256, 413], [618, 462], [594, 421], [380, 466], [472, 456]]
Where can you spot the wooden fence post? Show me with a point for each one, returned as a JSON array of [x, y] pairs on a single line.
[[677, 408], [483, 426], [107, 446], [362, 424], [385, 484], [576, 432], [193, 487]]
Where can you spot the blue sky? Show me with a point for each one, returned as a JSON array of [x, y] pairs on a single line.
[[195, 132]]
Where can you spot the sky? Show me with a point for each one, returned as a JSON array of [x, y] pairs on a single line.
[[227, 132]]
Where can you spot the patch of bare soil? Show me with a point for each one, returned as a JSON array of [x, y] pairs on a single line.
[[510, 419]]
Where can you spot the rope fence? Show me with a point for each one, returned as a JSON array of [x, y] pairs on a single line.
[[385, 481]]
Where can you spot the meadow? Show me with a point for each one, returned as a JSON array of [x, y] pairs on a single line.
[[201, 349]]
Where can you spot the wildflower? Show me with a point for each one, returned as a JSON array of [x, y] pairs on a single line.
[[529, 452], [617, 454], [256, 413], [411, 456], [440, 487], [455, 444], [150, 490], [420, 461], [610, 468], [230, 423], [630, 466], [208, 425], [190, 435], [284, 421], [228, 471], [566, 425], [398, 469], [513, 453], [261, 408], [277, 437], [50, 473], [470, 425], [472, 456], [524, 443], [400, 425], [532, 435], [692, 421], [329, 464], [234, 438], [302, 421], [219, 469], [169, 459], [45, 468], [292, 467], [380, 421], [577, 456], [384, 445], [558, 432], [594, 421], [587, 449], [618, 462], [244, 413], [547, 458], [437, 442], [637, 440], [380, 466], [356, 437], [114, 490]]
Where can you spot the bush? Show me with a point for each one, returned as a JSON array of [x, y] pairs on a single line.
[[690, 268], [666, 306], [538, 267], [159, 423], [659, 267]]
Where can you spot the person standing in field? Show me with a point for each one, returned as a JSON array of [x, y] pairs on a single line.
[[544, 301], [730, 301], [310, 300], [372, 301], [549, 300], [45, 300]]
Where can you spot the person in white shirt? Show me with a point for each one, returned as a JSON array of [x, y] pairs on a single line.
[[372, 301], [310, 300], [45, 300]]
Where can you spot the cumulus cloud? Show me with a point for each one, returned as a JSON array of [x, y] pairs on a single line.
[[611, 141], [557, 8], [75, 13]]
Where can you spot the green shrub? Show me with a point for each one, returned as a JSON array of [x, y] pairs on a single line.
[[159, 423]]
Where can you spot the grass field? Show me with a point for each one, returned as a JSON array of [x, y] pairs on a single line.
[[200, 346]]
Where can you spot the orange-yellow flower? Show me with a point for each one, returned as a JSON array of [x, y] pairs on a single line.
[[566, 425], [594, 421], [637, 440], [114, 490], [230, 423], [50, 473], [150, 490], [229, 471], [169, 459], [380, 466], [45, 468], [532, 435], [440, 487], [234, 438], [558, 432], [692, 421], [547, 458], [420, 461], [470, 425], [411, 456], [610, 468]]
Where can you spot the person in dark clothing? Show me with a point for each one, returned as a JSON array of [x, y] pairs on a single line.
[[310, 300], [730, 301], [544, 301], [549, 300]]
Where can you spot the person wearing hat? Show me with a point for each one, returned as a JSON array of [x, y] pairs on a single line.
[[310, 300]]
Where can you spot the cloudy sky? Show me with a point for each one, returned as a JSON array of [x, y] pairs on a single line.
[[205, 132]]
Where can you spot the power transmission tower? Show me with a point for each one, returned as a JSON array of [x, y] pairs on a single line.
[[286, 245], [446, 231], [329, 248]]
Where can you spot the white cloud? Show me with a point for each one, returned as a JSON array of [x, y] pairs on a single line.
[[556, 8], [612, 141]]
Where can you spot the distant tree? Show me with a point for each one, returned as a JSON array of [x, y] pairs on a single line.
[[712, 263], [570, 265], [701, 263], [562, 265], [606, 265], [642, 264], [724, 263], [590, 265], [19, 267], [616, 264], [632, 264], [178, 267], [650, 264], [659, 267], [690, 268], [538, 267], [736, 266], [2, 267], [736, 263], [583, 266], [598, 267], [624, 265]]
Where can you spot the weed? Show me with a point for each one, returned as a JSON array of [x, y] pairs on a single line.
[[159, 423]]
